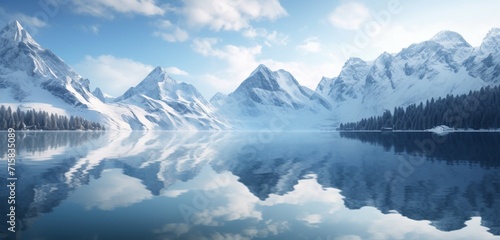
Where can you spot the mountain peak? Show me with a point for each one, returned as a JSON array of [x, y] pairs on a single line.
[[384, 57], [450, 38], [261, 69], [98, 93], [14, 32], [15, 24], [490, 44], [494, 32], [493, 35], [160, 86], [159, 74], [354, 60], [158, 71]]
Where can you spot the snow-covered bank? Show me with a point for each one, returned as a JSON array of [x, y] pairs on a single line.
[[441, 130]]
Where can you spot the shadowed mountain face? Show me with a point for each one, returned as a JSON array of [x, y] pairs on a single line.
[[390, 172]]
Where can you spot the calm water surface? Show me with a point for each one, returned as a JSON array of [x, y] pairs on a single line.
[[336, 186]]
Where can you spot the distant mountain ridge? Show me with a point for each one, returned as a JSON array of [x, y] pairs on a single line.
[[32, 77], [445, 64]]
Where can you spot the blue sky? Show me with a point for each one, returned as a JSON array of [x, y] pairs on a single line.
[[215, 45]]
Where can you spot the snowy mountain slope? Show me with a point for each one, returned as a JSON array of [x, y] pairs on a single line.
[[266, 95], [485, 60], [169, 104], [32, 77], [445, 64], [22, 58]]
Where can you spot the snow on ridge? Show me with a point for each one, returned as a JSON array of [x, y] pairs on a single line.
[[411, 76], [361, 89], [15, 33], [450, 39], [36, 78]]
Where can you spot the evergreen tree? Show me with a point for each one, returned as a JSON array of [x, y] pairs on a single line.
[[41, 120], [476, 110]]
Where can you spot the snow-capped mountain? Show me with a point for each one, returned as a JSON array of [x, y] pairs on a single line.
[[485, 61], [170, 104], [24, 64], [32, 77], [267, 95], [445, 64]]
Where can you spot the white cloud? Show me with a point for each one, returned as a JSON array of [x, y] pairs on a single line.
[[270, 39], [240, 62], [106, 8], [94, 29], [174, 193], [164, 24], [204, 46], [349, 15], [308, 190], [90, 28], [177, 228], [178, 35], [310, 45], [348, 237], [237, 57], [218, 84], [276, 38], [30, 23], [229, 14], [311, 219], [176, 71], [169, 32], [253, 33], [113, 190], [113, 75]]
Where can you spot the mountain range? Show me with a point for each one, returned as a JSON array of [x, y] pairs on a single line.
[[32, 77]]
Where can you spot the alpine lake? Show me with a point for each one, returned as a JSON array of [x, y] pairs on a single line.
[[252, 185]]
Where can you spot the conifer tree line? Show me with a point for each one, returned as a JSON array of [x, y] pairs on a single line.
[[42, 120], [475, 110]]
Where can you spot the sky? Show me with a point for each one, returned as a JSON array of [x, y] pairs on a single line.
[[215, 45]]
